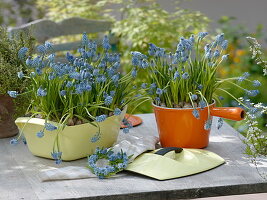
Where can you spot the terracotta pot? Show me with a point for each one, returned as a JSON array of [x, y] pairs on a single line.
[[8, 127], [178, 127]]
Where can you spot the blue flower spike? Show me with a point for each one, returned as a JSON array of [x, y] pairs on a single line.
[[50, 127], [114, 162], [13, 94], [40, 134], [14, 141], [101, 118]]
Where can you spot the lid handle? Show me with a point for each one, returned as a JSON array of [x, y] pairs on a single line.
[[163, 151]]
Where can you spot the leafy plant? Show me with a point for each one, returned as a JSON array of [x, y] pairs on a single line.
[[240, 61], [87, 88], [90, 9], [177, 77], [10, 64]]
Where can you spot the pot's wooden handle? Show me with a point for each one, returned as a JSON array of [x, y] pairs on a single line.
[[233, 113]]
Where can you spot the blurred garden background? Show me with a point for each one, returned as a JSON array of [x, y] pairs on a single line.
[[137, 23]]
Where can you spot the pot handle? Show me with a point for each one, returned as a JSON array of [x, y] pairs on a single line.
[[233, 113], [163, 151]]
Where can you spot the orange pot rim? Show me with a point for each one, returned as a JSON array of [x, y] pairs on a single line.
[[166, 108]]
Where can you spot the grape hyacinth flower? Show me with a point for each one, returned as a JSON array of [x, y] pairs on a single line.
[[105, 43], [159, 91], [144, 85], [40, 134], [224, 44], [208, 124], [108, 100], [225, 57], [101, 118], [20, 75], [13, 94], [95, 138], [41, 49], [57, 157], [221, 98], [202, 104], [185, 76], [22, 53], [50, 127], [176, 75], [117, 111], [201, 35], [126, 130], [256, 83], [41, 92], [252, 93], [196, 114], [14, 141], [216, 53], [63, 93], [194, 97]]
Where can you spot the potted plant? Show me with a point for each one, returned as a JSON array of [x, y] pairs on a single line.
[[9, 65], [184, 89], [76, 106]]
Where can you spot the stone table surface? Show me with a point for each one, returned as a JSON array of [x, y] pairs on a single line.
[[19, 174]]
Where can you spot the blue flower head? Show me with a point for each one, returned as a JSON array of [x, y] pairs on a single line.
[[95, 138], [196, 114], [63, 92], [41, 49], [208, 124], [225, 57], [13, 94], [200, 87], [176, 75], [194, 97], [185, 75], [224, 44], [117, 111], [246, 75], [256, 83], [126, 130], [105, 43], [48, 46], [216, 53], [201, 35], [41, 92], [100, 118], [144, 85], [14, 141], [252, 93], [57, 157], [134, 73], [22, 53], [40, 134], [85, 40], [20, 75], [108, 100], [50, 127], [159, 91], [202, 104], [219, 38], [208, 55]]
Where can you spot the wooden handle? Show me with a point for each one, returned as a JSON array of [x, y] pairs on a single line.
[[233, 113]]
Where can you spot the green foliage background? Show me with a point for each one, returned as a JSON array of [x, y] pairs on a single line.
[[10, 65]]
